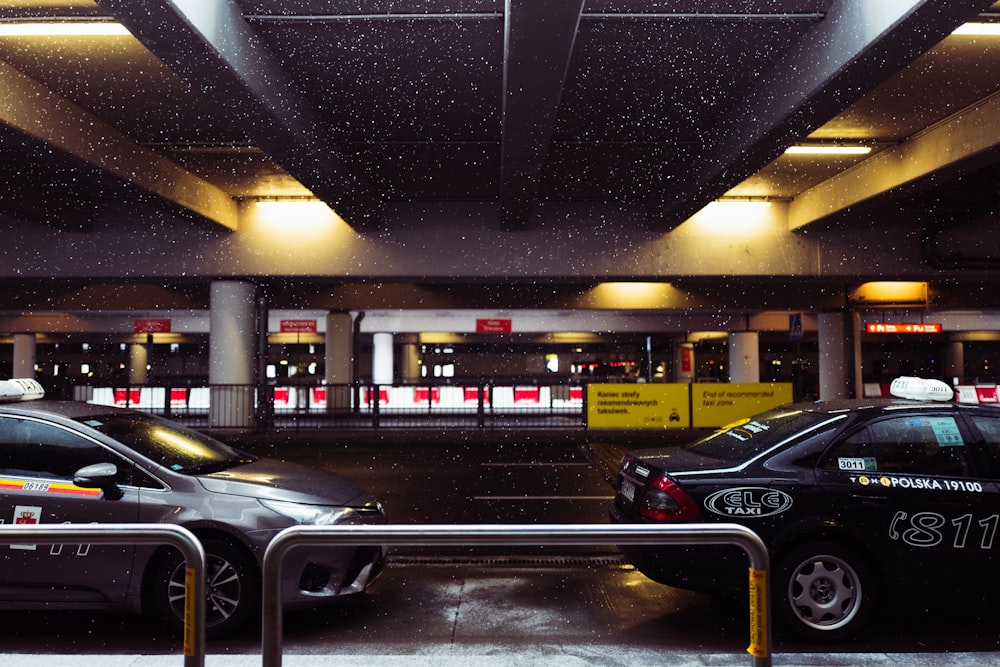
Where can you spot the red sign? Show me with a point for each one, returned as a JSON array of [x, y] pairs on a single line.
[[298, 326], [987, 394], [152, 326], [904, 328], [493, 325]]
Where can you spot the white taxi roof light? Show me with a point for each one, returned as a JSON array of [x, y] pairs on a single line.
[[921, 389], [20, 389]]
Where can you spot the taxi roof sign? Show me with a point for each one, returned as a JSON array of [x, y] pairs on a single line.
[[921, 389], [20, 389]]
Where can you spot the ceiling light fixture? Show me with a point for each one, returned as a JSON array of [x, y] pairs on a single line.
[[279, 200], [61, 27], [988, 29], [762, 202], [827, 149]]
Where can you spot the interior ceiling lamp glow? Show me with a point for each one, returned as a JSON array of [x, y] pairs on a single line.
[[978, 29], [61, 28], [828, 149]]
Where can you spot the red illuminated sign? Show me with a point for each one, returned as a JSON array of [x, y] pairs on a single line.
[[687, 359], [152, 326], [298, 326], [904, 328], [493, 325]]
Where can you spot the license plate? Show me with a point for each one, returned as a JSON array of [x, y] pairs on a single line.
[[627, 490]]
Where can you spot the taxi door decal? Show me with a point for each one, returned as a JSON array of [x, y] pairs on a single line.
[[26, 515]]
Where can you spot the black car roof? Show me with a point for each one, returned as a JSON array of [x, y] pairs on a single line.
[[889, 405]]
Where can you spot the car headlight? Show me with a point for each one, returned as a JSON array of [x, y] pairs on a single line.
[[310, 515]]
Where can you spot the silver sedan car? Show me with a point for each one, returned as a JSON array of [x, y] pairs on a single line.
[[71, 462]]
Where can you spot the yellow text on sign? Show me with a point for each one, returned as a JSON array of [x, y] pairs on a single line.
[[189, 620], [759, 631], [638, 406], [717, 404]]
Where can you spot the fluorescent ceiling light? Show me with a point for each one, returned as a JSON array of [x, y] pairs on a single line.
[[754, 202], [61, 28], [978, 29], [828, 149], [287, 203]]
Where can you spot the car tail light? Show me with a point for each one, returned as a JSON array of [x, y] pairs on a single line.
[[665, 501]]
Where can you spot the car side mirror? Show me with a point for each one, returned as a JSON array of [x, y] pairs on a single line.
[[100, 476]]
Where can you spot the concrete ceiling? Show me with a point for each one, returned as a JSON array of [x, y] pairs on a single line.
[[671, 104]]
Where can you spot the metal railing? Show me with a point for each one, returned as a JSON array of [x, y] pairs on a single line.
[[136, 533], [518, 535], [484, 405]]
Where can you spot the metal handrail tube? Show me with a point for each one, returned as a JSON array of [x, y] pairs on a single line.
[[519, 535], [136, 533]]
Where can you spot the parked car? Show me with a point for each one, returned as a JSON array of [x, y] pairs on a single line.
[[863, 504], [71, 462]]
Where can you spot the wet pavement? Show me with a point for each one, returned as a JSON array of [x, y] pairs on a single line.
[[504, 611], [522, 606]]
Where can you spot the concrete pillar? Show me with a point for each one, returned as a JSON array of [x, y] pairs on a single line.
[[410, 363], [684, 362], [954, 361], [339, 358], [837, 360], [231, 350], [382, 363], [138, 360], [25, 355], [339, 352], [744, 356]]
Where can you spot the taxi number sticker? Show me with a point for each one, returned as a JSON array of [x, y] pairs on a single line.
[[54, 488], [857, 464]]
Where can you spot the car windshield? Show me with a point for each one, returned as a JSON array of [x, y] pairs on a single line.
[[173, 446], [746, 438]]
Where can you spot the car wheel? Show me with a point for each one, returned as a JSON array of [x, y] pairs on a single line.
[[232, 589], [823, 591]]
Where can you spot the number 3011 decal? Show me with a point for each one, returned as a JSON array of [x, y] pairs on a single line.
[[930, 529]]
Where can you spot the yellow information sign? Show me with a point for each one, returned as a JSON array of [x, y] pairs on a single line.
[[638, 406], [716, 404]]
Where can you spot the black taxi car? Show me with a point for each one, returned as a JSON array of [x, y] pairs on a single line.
[[862, 504], [72, 462]]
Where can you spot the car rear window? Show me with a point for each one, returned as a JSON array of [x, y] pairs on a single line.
[[747, 438]]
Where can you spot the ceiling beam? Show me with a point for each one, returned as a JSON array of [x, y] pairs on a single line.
[[962, 138], [35, 111], [858, 45], [210, 46], [538, 43]]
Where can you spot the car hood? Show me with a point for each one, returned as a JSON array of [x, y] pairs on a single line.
[[279, 480]]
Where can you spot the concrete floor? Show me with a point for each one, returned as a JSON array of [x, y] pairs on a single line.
[[540, 610], [502, 614]]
